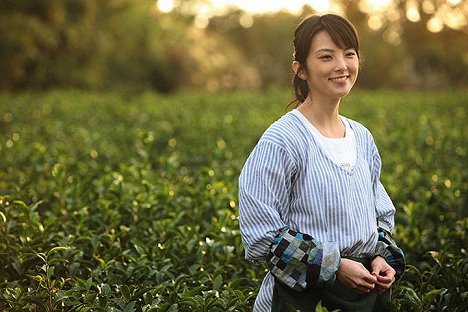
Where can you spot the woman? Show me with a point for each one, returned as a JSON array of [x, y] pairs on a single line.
[[311, 202]]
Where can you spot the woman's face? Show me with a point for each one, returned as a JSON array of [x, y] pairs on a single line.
[[331, 70]]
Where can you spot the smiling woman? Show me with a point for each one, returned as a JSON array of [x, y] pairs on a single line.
[[311, 204]]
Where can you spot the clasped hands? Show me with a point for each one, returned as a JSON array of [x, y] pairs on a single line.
[[354, 275]]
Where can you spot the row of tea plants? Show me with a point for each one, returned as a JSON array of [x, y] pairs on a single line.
[[128, 202]]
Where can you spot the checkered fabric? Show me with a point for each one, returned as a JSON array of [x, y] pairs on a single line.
[[295, 260], [387, 248]]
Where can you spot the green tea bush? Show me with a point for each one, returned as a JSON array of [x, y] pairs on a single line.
[[112, 202]]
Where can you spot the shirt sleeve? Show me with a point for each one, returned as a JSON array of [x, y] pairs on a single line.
[[264, 188], [386, 246], [300, 261], [393, 255], [296, 259], [384, 208]]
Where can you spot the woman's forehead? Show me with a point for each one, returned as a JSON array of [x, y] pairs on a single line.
[[322, 40]]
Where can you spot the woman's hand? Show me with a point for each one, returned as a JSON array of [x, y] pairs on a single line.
[[354, 275], [384, 273]]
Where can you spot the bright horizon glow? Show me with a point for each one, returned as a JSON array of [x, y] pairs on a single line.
[[258, 7], [378, 11], [165, 6], [215, 7]]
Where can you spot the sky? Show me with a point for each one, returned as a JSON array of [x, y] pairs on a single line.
[[293, 6], [451, 13], [277, 5]]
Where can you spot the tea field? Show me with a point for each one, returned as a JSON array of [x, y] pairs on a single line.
[[120, 202]]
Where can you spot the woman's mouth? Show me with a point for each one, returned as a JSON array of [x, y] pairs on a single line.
[[339, 79]]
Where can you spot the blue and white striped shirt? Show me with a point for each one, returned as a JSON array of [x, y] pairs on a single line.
[[289, 182]]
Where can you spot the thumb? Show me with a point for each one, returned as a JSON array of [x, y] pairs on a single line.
[[372, 278], [375, 270]]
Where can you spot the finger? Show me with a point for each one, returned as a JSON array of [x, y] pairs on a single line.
[[366, 286], [385, 279], [375, 272], [371, 279], [388, 282], [382, 287]]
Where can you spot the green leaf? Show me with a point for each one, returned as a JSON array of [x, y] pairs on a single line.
[[218, 281], [20, 202], [35, 205], [50, 272], [411, 295], [139, 292], [148, 297], [129, 307], [4, 218], [57, 249], [103, 302], [189, 301], [89, 283], [42, 256], [429, 296], [90, 297], [173, 308], [125, 292], [435, 256], [106, 290], [38, 278]]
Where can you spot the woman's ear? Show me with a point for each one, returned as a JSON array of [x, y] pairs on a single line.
[[298, 70]]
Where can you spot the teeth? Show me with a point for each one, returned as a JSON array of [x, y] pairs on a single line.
[[339, 79]]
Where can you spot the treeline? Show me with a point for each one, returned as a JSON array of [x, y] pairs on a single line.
[[130, 44]]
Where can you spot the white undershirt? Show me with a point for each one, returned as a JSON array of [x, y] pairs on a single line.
[[341, 151]]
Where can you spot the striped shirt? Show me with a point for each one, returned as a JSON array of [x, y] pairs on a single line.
[[289, 182]]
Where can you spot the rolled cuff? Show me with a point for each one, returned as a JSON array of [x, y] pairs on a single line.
[[394, 256], [330, 264], [299, 261]]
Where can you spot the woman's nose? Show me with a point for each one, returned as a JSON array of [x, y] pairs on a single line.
[[341, 64]]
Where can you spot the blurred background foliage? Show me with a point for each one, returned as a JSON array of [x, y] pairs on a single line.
[[127, 44]]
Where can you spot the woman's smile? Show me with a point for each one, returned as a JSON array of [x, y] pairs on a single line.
[[339, 79]]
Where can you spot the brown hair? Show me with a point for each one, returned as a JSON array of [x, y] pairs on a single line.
[[341, 31]]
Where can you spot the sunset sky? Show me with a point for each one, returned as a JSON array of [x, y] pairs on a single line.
[[452, 13]]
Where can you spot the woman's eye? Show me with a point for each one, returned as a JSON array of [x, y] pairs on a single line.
[[325, 57], [350, 54]]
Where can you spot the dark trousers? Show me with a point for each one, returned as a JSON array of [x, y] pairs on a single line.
[[339, 297]]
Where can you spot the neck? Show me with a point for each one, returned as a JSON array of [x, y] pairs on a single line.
[[324, 115]]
